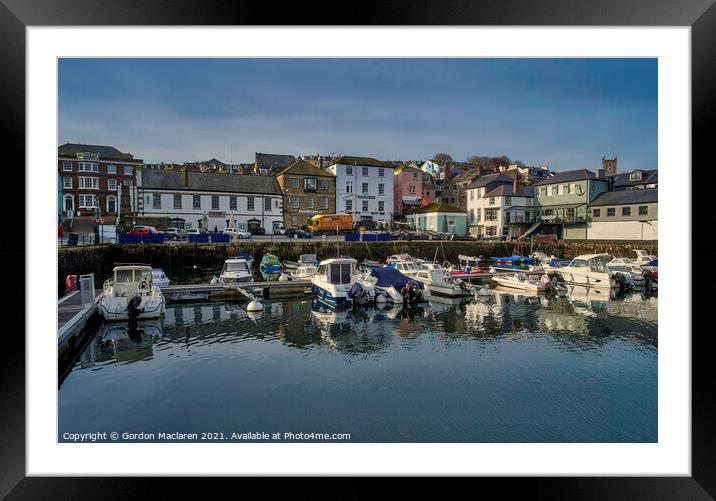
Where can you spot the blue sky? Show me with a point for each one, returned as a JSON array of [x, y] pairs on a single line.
[[566, 113]]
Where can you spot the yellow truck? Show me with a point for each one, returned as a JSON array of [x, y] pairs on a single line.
[[330, 223]]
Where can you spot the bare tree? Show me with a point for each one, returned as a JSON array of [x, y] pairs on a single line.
[[442, 158]]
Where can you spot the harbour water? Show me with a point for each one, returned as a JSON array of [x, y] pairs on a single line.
[[509, 367]]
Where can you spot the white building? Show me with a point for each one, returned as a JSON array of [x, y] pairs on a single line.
[[499, 206], [364, 188], [190, 199]]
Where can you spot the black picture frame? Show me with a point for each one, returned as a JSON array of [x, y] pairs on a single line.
[[16, 15]]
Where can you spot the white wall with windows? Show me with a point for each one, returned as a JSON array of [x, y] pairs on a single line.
[[248, 210], [364, 192]]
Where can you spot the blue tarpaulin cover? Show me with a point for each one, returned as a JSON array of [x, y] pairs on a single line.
[[521, 259], [390, 276], [655, 262]]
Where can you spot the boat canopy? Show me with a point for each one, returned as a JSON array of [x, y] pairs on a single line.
[[390, 276], [307, 259], [654, 262], [243, 255], [521, 259]]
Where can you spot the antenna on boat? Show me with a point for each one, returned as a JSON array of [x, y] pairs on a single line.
[[435, 257]]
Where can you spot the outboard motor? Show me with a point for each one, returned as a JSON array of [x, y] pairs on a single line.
[[133, 309], [622, 281], [411, 294], [358, 294]]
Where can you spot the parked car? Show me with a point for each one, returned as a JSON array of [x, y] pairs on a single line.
[[174, 234], [297, 233], [279, 231], [143, 230], [195, 231], [236, 233]]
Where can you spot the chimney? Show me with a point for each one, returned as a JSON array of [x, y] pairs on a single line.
[[517, 184], [186, 177]]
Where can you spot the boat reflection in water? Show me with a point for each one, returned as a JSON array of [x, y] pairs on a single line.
[[123, 342]]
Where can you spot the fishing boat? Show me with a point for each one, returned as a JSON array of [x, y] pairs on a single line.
[[511, 263], [592, 270], [131, 294], [236, 270], [394, 286], [334, 284]]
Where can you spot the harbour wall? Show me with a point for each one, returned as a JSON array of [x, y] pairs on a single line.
[[176, 259]]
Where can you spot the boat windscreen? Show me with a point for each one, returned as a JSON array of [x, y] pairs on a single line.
[[599, 263], [340, 273], [123, 276], [239, 266]]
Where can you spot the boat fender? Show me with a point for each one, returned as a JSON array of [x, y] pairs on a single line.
[[484, 291], [255, 305], [283, 278], [71, 282], [214, 280], [380, 299]]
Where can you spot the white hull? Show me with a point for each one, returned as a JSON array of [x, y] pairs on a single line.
[[115, 308], [231, 278], [513, 283], [600, 280]]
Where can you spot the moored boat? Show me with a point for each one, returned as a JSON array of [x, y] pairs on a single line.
[[394, 286], [592, 270], [439, 282], [523, 281], [236, 270], [333, 284], [159, 278], [131, 295]]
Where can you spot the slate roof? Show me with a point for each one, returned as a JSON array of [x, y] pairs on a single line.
[[104, 152], [272, 161], [303, 168], [490, 178], [439, 207], [507, 190], [627, 197], [209, 181], [649, 177], [362, 162], [407, 168], [567, 176]]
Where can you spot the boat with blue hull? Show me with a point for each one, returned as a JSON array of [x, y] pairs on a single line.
[[512, 263], [334, 284]]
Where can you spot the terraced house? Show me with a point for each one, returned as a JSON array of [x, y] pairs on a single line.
[[307, 190], [625, 215], [97, 178], [563, 202]]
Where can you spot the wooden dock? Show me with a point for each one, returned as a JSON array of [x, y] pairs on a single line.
[[72, 317]]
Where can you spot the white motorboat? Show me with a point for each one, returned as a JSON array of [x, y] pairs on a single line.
[[522, 280], [642, 258], [303, 272], [592, 270], [159, 278], [404, 263], [303, 259], [439, 282], [236, 270], [394, 286], [334, 284], [131, 295]]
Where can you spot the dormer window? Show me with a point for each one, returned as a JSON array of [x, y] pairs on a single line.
[[635, 176]]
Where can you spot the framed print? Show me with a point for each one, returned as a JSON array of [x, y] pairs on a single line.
[[308, 250]]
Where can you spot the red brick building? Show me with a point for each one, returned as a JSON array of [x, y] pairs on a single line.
[[97, 178]]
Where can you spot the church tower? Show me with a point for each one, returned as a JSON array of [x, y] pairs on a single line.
[[610, 166]]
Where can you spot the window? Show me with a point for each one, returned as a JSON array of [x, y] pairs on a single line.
[[88, 167], [643, 210], [479, 215], [309, 184], [196, 202], [365, 205], [111, 169], [232, 203], [491, 214], [635, 176], [128, 170], [127, 182], [492, 200], [349, 170], [111, 205], [472, 194], [267, 204], [87, 201], [90, 183], [411, 189], [294, 221], [381, 173], [365, 187], [323, 185], [177, 201], [67, 182], [349, 205], [324, 203], [309, 202], [349, 187], [156, 201], [415, 175], [543, 192], [381, 189], [555, 190], [381, 206], [294, 202], [566, 188], [295, 183], [472, 215], [596, 212], [249, 203], [491, 231], [365, 171], [214, 202], [69, 202], [611, 211], [626, 211], [67, 166], [570, 214], [508, 201], [112, 184]]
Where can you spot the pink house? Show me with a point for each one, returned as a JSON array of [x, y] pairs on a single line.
[[410, 190]]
